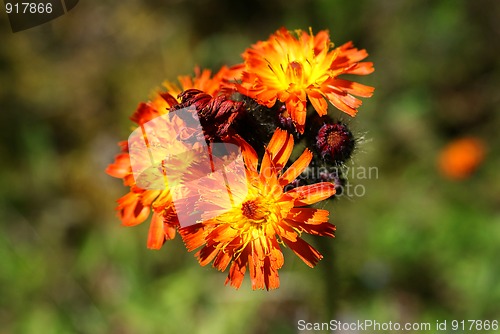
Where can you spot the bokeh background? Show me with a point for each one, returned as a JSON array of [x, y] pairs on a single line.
[[417, 247]]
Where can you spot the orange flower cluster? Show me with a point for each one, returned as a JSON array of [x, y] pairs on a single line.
[[245, 105]]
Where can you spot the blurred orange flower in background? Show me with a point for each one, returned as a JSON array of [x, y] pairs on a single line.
[[294, 69], [461, 157]]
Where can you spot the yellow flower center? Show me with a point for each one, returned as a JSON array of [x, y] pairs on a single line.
[[257, 213], [254, 211], [295, 73], [334, 139], [258, 216], [298, 74]]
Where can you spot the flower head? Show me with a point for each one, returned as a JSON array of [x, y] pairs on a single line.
[[249, 234], [298, 68], [335, 142], [192, 161], [136, 206], [216, 113]]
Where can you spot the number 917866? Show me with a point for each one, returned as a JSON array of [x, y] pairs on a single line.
[[28, 8], [474, 325]]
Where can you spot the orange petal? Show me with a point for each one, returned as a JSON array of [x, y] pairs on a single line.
[[306, 252], [312, 221], [156, 236], [131, 211], [164, 201], [237, 270], [278, 140], [206, 255], [193, 236], [298, 112], [276, 256], [222, 260], [296, 168], [339, 104], [362, 68], [308, 216], [281, 157], [352, 87], [222, 233], [256, 272], [249, 155], [277, 153], [321, 41], [169, 231], [149, 196], [120, 167], [313, 193], [318, 102], [144, 113], [349, 55], [270, 274]]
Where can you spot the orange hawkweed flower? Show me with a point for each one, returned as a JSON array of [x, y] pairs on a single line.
[[249, 234], [460, 158], [204, 81], [135, 207], [296, 69]]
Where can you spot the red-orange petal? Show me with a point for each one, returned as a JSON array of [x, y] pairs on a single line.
[[270, 274], [144, 113], [248, 152], [311, 194], [276, 255], [222, 260], [131, 210], [318, 102], [193, 236], [277, 153], [120, 167], [348, 54], [363, 68], [298, 112], [206, 255], [352, 87], [237, 270], [169, 231], [312, 221], [296, 168], [336, 100], [156, 235], [306, 252]]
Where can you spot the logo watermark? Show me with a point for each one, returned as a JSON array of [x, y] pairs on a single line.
[[348, 180], [204, 180], [170, 153]]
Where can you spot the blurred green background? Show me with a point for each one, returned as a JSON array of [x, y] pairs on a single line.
[[416, 248]]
